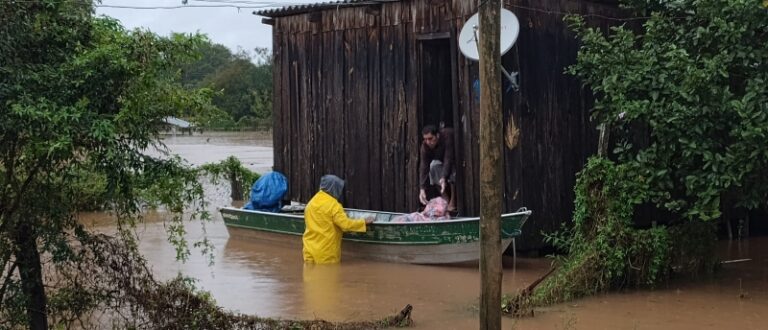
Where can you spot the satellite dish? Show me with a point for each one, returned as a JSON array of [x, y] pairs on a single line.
[[468, 37]]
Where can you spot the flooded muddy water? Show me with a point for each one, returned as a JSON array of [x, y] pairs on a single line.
[[734, 298], [254, 149], [255, 278]]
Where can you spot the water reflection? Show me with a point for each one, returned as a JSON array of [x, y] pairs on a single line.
[[321, 289], [356, 289]]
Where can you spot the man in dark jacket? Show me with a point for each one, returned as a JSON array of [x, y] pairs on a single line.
[[437, 163]]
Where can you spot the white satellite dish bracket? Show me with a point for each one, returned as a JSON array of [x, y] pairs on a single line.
[[512, 77], [510, 29]]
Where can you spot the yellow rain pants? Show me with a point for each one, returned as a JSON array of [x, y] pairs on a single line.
[[325, 223]]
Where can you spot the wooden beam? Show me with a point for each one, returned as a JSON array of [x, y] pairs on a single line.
[[268, 21], [491, 178], [457, 142]]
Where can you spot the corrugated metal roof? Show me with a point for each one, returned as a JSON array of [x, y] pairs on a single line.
[[305, 8]]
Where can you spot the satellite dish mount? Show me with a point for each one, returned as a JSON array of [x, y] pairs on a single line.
[[510, 29]]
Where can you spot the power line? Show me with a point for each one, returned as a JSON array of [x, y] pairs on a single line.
[[251, 2], [239, 4], [255, 4], [185, 6], [554, 12], [560, 13]]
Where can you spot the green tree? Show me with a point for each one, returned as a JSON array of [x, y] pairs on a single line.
[[80, 100], [80, 95], [212, 58], [241, 84], [685, 96], [242, 81], [695, 78], [234, 82], [262, 105]]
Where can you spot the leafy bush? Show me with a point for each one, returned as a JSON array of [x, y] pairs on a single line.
[[693, 78], [232, 170], [604, 250]]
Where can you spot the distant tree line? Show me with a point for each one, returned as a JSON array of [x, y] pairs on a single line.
[[241, 82]]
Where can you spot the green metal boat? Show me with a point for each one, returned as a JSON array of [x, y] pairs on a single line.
[[434, 242]]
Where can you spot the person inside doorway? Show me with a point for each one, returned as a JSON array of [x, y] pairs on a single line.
[[437, 165]]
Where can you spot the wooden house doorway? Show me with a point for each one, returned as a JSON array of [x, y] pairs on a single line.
[[436, 78], [438, 94]]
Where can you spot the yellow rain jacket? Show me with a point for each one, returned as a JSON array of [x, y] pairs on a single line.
[[325, 222]]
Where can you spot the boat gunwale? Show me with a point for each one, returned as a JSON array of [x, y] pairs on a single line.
[[526, 213]]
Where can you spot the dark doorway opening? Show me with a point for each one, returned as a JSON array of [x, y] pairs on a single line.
[[437, 97], [436, 83]]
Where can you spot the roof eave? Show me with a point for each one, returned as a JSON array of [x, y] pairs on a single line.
[[303, 9]]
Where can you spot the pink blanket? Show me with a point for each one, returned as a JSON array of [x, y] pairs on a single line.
[[434, 211]]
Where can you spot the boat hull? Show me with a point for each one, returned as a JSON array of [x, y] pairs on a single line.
[[438, 242]]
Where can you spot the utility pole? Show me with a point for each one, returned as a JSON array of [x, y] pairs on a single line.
[[490, 163]]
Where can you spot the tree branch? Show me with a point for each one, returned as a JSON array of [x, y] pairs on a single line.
[[8, 161], [7, 280], [20, 193]]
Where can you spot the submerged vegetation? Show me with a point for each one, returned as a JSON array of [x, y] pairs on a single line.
[[90, 188], [116, 287], [231, 169], [604, 250], [684, 98]]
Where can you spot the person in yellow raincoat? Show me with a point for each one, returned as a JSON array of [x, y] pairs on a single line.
[[326, 221]]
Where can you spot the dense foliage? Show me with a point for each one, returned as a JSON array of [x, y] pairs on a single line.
[[604, 249], [232, 170], [684, 95], [243, 85], [81, 98], [116, 287], [694, 78]]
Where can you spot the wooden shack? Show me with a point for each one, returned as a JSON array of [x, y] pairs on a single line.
[[356, 80]]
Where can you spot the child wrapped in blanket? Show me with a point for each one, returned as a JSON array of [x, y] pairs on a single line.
[[435, 210]]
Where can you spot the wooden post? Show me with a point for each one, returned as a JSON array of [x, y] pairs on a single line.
[[491, 144], [237, 187]]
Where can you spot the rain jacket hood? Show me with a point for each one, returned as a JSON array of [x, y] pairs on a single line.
[[333, 185]]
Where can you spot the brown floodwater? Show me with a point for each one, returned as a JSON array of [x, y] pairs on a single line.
[[254, 149], [255, 278]]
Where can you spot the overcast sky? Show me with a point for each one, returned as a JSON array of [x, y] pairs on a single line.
[[221, 20]]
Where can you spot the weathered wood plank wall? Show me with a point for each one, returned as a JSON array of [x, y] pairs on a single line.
[[347, 102], [551, 111]]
